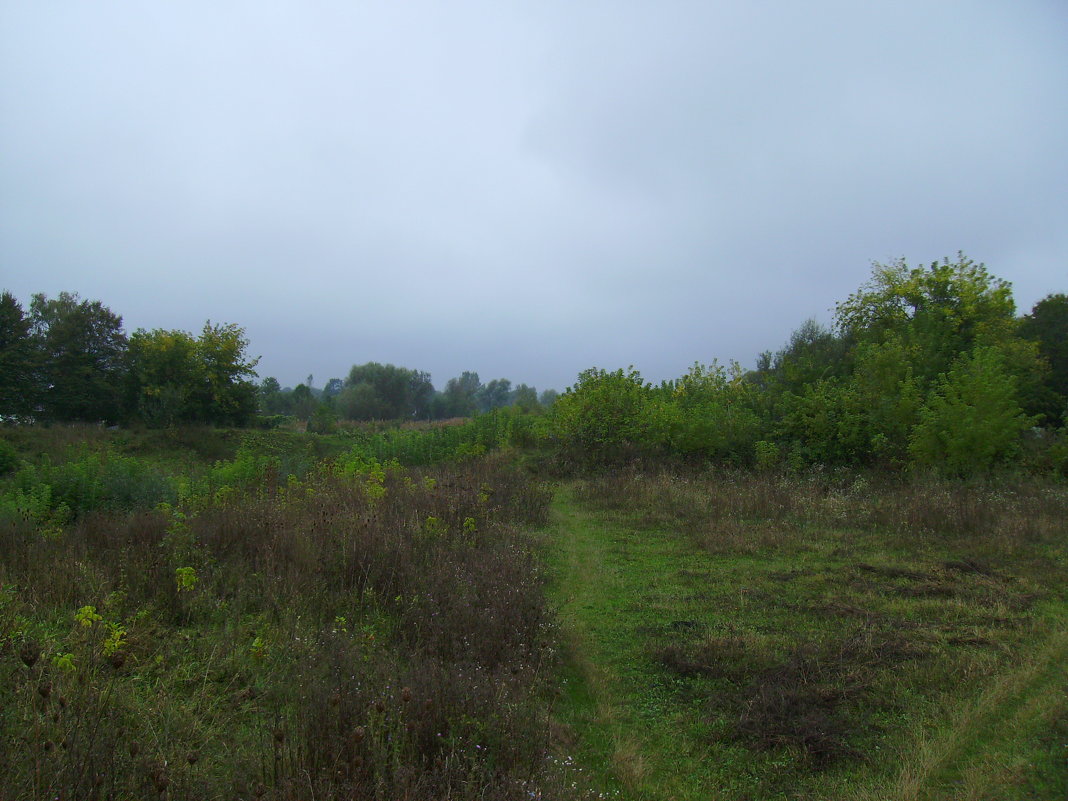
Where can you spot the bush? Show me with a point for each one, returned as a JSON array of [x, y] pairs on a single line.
[[972, 419], [607, 418], [9, 457]]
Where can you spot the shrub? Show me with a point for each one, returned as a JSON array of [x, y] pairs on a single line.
[[608, 417], [972, 418], [9, 457]]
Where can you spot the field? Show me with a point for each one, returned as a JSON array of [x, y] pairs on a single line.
[[194, 613], [746, 636]]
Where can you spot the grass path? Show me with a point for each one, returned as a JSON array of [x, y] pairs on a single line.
[[645, 734], [983, 750], [610, 581]]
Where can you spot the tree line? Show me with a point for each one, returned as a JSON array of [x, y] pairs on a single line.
[[925, 366], [374, 391], [922, 366], [68, 359]]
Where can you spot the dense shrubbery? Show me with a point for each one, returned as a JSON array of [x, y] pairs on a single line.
[[274, 625], [928, 368]]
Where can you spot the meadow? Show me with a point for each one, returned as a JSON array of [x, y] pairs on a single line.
[[424, 614]]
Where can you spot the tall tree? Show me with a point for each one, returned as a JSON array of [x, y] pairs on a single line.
[[972, 418], [458, 399], [937, 312], [164, 373], [494, 395], [332, 388], [176, 377], [18, 362], [376, 391], [303, 401], [525, 398], [1047, 325], [226, 393], [83, 350]]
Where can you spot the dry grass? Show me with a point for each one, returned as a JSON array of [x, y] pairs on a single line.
[[342, 637]]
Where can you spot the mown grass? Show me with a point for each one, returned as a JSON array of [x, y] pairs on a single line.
[[757, 636]]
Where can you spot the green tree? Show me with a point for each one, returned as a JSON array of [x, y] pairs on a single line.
[[225, 394], [822, 423], [459, 397], [607, 417], [333, 388], [494, 395], [175, 377], [1047, 326], [814, 352], [525, 398], [19, 387], [303, 402], [972, 419], [937, 312], [885, 399], [376, 391], [83, 358], [270, 397], [164, 372], [711, 414]]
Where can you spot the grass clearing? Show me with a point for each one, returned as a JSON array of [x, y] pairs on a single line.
[[761, 637]]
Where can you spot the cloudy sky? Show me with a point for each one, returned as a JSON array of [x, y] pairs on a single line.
[[523, 189]]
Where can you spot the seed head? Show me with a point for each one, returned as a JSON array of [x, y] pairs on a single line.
[[29, 653]]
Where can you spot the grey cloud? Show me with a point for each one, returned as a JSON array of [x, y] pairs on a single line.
[[522, 192]]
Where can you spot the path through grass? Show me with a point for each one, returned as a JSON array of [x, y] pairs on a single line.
[[745, 658]]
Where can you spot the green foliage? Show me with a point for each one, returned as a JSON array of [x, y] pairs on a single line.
[[174, 377], [937, 312], [18, 361], [376, 391], [494, 395], [185, 578], [609, 417], [525, 398], [459, 397], [90, 481], [226, 395], [163, 374], [1047, 326], [823, 424], [9, 457], [438, 443], [710, 415], [813, 353], [972, 419], [82, 349], [323, 420]]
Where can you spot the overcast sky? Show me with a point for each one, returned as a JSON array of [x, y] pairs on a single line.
[[523, 189]]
